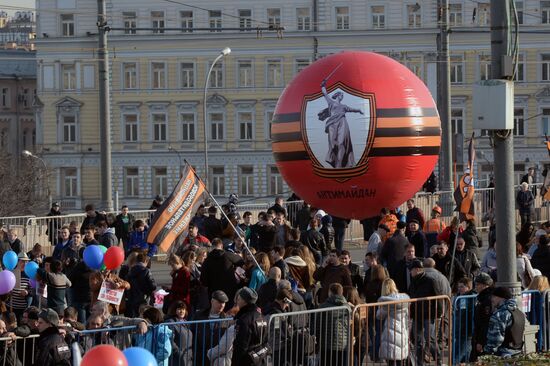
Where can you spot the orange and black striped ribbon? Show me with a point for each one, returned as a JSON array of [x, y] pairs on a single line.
[[399, 132]]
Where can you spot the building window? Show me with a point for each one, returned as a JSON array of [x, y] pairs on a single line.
[[245, 125], [70, 182], [245, 74], [274, 73], [159, 75], [188, 126], [159, 126], [245, 19], [275, 181], [414, 15], [67, 25], [246, 186], [342, 17], [457, 121], [545, 12], [160, 181], [216, 126], [519, 122], [187, 76], [186, 17], [215, 20], [483, 14], [268, 119], [303, 19], [157, 21], [457, 70], [6, 97], [301, 63], [216, 77], [130, 122], [545, 65], [130, 75], [69, 128], [520, 68], [131, 182], [4, 139], [484, 67], [378, 14], [217, 183], [130, 22], [69, 77], [455, 14], [274, 18], [545, 120], [519, 10], [25, 98]]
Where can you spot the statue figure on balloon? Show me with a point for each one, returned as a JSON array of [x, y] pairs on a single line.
[[340, 148]]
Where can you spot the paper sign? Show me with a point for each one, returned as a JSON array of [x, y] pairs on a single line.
[[110, 294]]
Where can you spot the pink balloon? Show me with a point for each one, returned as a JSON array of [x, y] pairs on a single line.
[[7, 282]]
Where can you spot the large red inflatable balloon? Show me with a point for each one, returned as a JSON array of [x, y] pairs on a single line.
[[104, 355], [355, 132]]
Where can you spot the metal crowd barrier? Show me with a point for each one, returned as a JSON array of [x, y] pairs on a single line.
[[415, 330], [22, 349], [463, 327], [312, 337]]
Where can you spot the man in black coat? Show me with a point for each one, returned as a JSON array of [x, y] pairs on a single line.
[[212, 225], [250, 328], [467, 259], [218, 271], [482, 313], [355, 271], [340, 225], [315, 241], [444, 263], [142, 285], [416, 236], [278, 207], [51, 348], [268, 291], [404, 279], [54, 224], [541, 257], [92, 218], [394, 250]]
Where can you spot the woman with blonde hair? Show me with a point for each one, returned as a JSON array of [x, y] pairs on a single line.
[[259, 274], [394, 345], [539, 282]]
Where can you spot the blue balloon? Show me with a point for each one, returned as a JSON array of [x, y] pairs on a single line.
[[10, 260], [30, 269], [93, 257], [137, 356]]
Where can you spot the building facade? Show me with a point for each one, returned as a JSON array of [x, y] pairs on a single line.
[[161, 51], [17, 30], [17, 97]]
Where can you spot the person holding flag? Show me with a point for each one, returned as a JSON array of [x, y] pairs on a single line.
[[464, 193], [545, 189]]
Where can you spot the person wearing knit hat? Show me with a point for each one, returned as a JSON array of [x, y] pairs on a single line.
[[250, 328], [506, 326], [51, 348], [482, 313]]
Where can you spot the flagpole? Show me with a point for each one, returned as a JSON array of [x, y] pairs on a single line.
[[227, 218]]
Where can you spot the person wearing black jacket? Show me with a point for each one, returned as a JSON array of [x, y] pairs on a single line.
[[212, 225], [467, 259], [328, 231], [541, 257], [471, 238], [266, 232], [80, 278], [124, 223], [315, 241], [250, 328], [268, 291], [303, 217], [218, 271], [92, 218], [443, 261], [54, 224], [482, 314], [394, 250], [354, 270], [278, 206], [51, 348], [340, 225], [142, 285], [416, 236]]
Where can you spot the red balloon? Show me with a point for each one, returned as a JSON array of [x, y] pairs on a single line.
[[114, 256], [104, 355], [355, 132]]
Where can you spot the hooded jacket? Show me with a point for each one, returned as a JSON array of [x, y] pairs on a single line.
[[109, 239], [333, 326], [394, 343], [299, 273]]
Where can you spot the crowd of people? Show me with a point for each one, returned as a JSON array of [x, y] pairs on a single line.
[[235, 266]]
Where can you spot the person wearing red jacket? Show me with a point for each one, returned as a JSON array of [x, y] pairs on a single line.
[[181, 281]]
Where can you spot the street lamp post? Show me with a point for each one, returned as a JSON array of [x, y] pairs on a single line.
[[28, 154], [170, 148], [226, 51]]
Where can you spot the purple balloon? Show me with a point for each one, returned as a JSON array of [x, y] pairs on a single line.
[[32, 283], [7, 282]]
